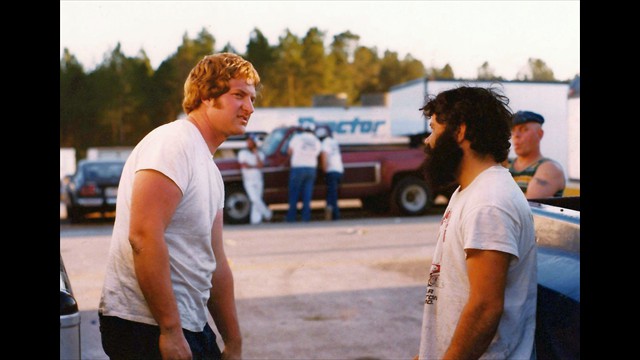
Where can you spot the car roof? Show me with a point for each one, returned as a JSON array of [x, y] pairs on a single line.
[[101, 161]]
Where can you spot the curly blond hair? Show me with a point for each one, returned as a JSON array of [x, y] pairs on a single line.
[[210, 78]]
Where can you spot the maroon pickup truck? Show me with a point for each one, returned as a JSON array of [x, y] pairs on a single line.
[[384, 177]]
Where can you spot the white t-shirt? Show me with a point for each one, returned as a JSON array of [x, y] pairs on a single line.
[[306, 148], [177, 150], [251, 159], [493, 214], [334, 158]]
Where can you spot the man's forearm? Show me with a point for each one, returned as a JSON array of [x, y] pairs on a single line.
[[476, 328], [222, 307], [151, 264]]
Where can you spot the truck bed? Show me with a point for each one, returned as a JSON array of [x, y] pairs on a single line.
[[557, 225]]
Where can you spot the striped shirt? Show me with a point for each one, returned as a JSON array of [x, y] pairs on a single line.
[[523, 177]]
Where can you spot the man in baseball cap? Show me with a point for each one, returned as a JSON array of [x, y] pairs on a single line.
[[537, 176], [522, 117]]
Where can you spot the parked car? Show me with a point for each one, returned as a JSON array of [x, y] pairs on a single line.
[[69, 318], [92, 188]]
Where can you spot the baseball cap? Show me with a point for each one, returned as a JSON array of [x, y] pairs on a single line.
[[522, 117], [322, 132], [308, 125]]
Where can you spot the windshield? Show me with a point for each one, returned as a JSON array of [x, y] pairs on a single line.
[[102, 171], [271, 142]]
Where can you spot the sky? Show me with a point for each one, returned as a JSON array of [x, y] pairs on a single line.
[[463, 34]]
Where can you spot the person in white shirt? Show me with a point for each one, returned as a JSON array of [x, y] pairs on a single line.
[[481, 292], [331, 164], [304, 148], [251, 162], [166, 269]]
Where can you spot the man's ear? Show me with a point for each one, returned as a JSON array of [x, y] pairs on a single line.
[[460, 134]]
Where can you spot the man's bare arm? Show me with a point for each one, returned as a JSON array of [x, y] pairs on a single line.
[[222, 303], [548, 179], [478, 323], [324, 161], [154, 200]]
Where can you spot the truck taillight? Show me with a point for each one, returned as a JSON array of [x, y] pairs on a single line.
[[89, 190]]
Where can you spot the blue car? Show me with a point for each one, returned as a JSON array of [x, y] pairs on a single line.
[[93, 188]]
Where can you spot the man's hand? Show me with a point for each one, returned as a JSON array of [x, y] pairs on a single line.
[[232, 351], [173, 345]]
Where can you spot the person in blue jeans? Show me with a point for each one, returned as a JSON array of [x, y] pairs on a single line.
[[331, 163], [304, 149]]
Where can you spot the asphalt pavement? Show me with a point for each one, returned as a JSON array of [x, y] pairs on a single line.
[[347, 289]]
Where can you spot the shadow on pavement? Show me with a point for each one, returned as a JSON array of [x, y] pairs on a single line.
[[358, 325], [361, 324]]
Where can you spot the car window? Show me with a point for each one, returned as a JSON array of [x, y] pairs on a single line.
[[107, 171], [285, 144], [271, 142]]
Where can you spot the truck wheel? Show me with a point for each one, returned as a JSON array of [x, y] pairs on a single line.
[[411, 196], [237, 206]]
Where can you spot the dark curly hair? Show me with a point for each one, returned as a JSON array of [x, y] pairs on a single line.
[[485, 112]]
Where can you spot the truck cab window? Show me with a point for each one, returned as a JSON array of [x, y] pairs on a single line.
[[271, 142]]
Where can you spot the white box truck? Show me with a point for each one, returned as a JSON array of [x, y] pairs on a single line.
[[356, 125], [109, 152], [574, 130], [548, 99], [67, 161], [391, 123]]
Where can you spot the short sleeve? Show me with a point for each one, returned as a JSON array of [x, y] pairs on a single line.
[[490, 228], [168, 155]]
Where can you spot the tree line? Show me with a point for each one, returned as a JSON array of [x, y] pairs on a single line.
[[124, 98]]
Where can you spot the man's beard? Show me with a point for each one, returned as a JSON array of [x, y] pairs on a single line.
[[442, 162]]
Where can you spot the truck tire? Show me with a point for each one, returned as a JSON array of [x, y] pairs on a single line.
[[411, 196], [237, 206]]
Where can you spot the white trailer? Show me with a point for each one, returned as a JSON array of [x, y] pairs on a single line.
[[548, 99], [574, 130], [109, 152], [391, 123], [355, 125], [67, 161]]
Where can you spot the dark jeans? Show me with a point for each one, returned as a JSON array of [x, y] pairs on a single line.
[[301, 181], [123, 339], [333, 179]]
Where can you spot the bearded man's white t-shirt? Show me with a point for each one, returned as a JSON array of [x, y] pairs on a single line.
[[490, 214]]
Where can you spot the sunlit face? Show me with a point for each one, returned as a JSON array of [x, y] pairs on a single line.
[[525, 137], [436, 130], [232, 110]]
